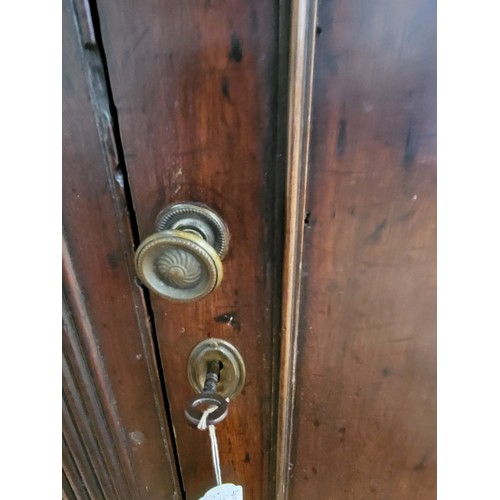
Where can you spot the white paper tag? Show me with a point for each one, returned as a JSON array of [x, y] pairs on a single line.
[[225, 491]]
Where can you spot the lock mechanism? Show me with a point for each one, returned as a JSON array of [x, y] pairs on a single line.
[[182, 261], [231, 378], [217, 404]]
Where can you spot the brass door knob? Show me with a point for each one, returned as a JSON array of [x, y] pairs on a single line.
[[182, 261]]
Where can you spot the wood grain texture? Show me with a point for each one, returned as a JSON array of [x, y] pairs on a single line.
[[300, 83], [365, 421], [73, 482], [194, 84], [84, 420], [115, 427], [67, 490]]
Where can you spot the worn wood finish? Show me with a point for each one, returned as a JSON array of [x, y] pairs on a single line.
[[114, 423], [67, 490], [366, 380], [194, 84], [301, 58]]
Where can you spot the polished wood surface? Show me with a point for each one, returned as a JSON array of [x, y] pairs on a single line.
[[222, 102], [302, 34], [365, 412], [194, 84], [115, 430]]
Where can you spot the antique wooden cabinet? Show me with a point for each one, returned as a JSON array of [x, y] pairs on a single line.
[[310, 127]]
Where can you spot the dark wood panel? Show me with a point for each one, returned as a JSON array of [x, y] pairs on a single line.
[[83, 416], [194, 84], [67, 490], [112, 386], [366, 374], [299, 78], [72, 474], [82, 460]]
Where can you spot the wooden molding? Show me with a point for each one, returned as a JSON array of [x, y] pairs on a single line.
[[115, 414], [301, 68], [87, 397]]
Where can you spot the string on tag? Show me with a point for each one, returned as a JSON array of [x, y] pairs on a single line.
[[202, 425], [215, 454]]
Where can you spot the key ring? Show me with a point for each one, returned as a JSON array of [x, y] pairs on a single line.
[[193, 414]]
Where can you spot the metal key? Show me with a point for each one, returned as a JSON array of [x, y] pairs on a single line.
[[208, 397]]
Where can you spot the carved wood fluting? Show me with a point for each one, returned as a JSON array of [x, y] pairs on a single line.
[[91, 461], [116, 437]]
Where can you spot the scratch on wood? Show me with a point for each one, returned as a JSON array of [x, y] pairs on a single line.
[[236, 52], [307, 219], [341, 138], [231, 318], [407, 216], [376, 234], [410, 146], [421, 465], [140, 39], [225, 88], [401, 339]]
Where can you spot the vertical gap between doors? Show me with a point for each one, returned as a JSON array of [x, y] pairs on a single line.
[[122, 171]]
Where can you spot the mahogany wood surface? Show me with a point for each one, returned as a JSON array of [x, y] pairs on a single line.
[[198, 117], [302, 36], [194, 84], [365, 414], [116, 439]]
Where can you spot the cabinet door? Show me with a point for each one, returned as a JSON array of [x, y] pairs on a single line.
[[195, 89], [115, 428], [362, 339], [310, 128]]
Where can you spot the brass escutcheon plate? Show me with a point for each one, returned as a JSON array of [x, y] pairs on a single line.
[[232, 375]]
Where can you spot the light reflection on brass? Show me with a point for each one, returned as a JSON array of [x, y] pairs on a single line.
[[182, 261], [232, 374]]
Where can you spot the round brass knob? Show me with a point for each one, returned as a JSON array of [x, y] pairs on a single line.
[[182, 261]]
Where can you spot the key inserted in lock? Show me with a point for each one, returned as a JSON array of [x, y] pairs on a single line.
[[232, 374], [216, 370], [208, 398]]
